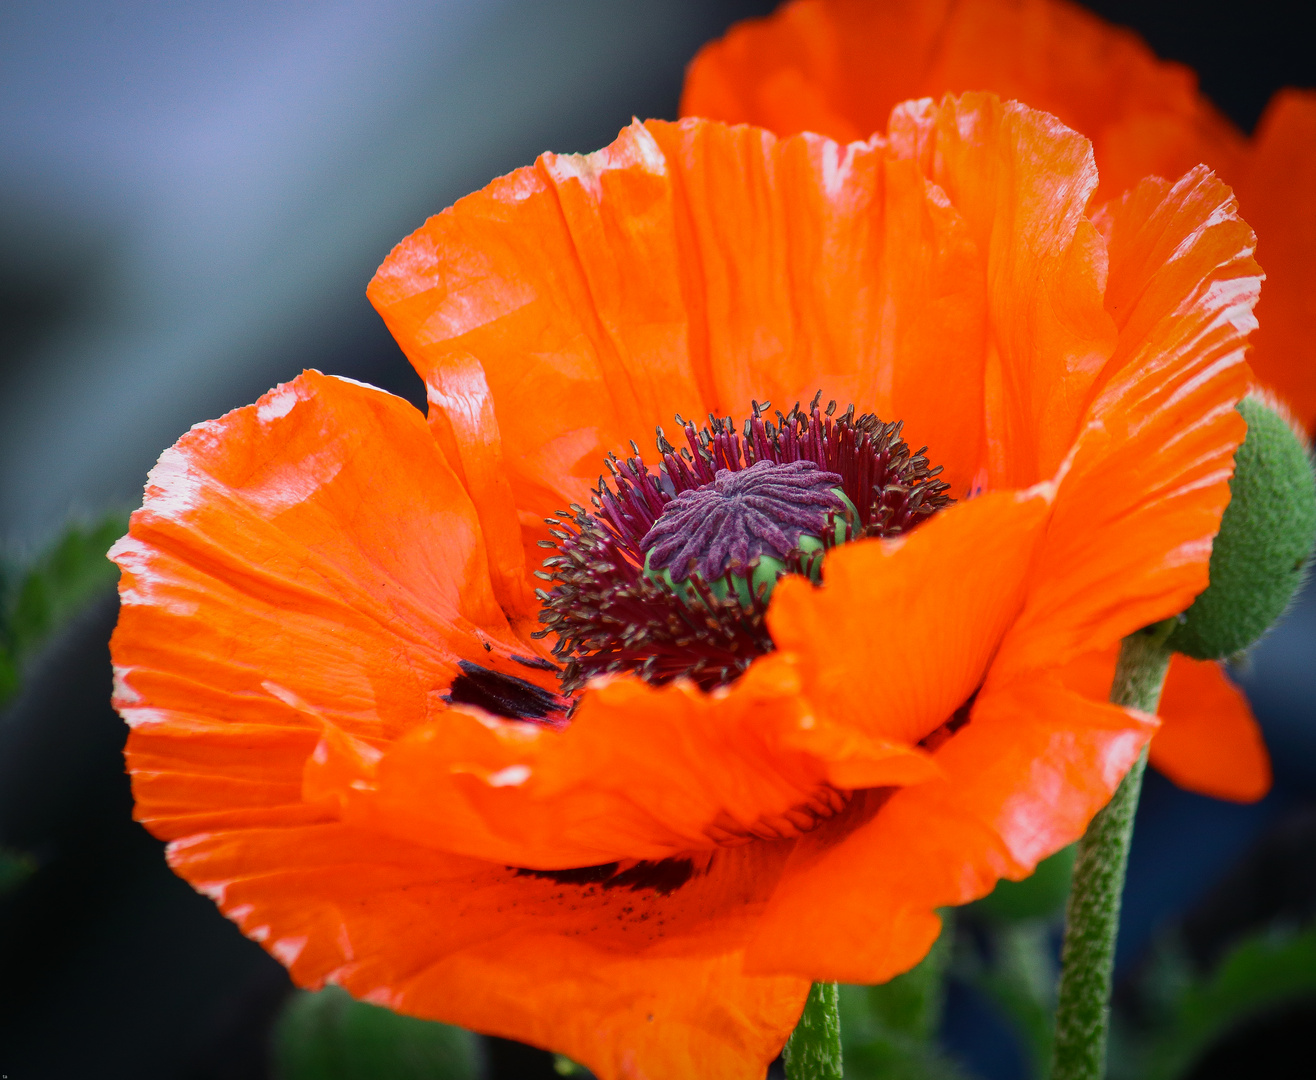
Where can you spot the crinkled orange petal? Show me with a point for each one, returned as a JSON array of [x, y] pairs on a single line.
[[1277, 193], [1092, 673], [854, 61], [640, 773], [308, 559], [1140, 501], [1049, 332], [629, 981], [564, 285], [463, 420], [1209, 740], [1023, 778], [644, 290], [902, 631], [838, 67], [838, 269], [277, 594]]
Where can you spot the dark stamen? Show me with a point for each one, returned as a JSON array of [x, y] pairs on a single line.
[[536, 662]]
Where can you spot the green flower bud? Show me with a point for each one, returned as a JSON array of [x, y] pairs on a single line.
[[1266, 538]]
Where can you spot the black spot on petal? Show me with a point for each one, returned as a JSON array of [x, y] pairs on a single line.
[[663, 876], [503, 695], [579, 875], [934, 740]]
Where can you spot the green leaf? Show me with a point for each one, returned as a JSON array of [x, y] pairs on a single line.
[[15, 868], [331, 1036], [65, 577], [37, 599], [888, 1031], [1038, 896], [1260, 973], [1020, 979], [9, 679], [895, 1058]]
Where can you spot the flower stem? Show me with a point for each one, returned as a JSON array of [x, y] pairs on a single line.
[[1092, 915], [813, 1052]]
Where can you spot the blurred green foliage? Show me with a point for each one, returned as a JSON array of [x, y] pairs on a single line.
[[329, 1035], [1018, 973], [39, 596], [1187, 1011], [1039, 896], [1013, 963], [15, 868], [1018, 969], [888, 1032]]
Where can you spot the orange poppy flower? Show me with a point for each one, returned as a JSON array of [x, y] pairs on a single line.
[[344, 718], [838, 67]]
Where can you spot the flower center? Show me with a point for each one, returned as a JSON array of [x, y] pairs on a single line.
[[743, 531], [670, 573], [740, 516]]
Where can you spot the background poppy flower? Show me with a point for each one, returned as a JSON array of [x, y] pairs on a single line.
[[342, 717], [838, 67]]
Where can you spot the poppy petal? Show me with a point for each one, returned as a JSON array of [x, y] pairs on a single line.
[[1278, 197], [1091, 674], [634, 977], [1023, 779], [463, 421], [839, 67], [747, 77], [1045, 275], [1209, 741], [267, 539], [565, 282], [840, 269], [896, 639], [646, 292], [1141, 497], [641, 773]]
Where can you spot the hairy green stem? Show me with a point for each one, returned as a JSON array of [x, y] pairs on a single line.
[[1093, 912], [813, 1052]]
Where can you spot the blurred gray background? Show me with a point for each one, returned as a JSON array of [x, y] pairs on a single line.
[[193, 196]]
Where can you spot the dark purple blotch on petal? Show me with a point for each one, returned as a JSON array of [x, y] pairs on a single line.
[[504, 695]]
